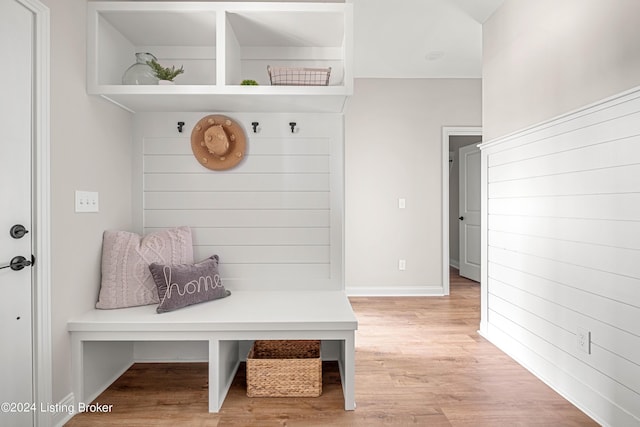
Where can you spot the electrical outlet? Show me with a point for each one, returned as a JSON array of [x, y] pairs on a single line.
[[402, 203], [584, 340], [402, 264], [86, 201]]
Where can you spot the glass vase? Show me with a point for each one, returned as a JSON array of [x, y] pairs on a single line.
[[140, 73]]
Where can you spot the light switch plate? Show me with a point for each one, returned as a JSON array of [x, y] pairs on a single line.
[[87, 201]]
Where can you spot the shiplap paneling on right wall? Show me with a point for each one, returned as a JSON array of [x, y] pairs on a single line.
[[561, 252]]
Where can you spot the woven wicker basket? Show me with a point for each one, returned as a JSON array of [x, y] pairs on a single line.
[[284, 369], [291, 76]]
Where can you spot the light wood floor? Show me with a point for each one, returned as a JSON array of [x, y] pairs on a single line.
[[419, 361]]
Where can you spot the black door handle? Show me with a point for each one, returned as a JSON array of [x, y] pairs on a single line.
[[460, 218], [17, 263]]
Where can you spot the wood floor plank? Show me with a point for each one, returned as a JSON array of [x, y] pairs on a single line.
[[419, 361]]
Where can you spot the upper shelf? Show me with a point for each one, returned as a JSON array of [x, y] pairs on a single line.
[[219, 45]]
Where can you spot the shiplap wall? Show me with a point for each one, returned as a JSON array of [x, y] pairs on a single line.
[[275, 220], [561, 251]]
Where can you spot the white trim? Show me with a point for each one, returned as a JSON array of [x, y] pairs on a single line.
[[106, 384], [571, 115], [396, 291], [484, 235], [63, 417], [448, 131], [41, 317]]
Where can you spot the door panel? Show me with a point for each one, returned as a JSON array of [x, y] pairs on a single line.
[[16, 45], [469, 209]]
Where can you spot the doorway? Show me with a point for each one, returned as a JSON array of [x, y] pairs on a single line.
[[452, 139], [16, 274], [24, 222]]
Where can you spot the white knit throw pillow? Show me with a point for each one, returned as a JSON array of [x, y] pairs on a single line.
[[126, 279]]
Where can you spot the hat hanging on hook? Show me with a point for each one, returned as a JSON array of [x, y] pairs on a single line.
[[218, 142]]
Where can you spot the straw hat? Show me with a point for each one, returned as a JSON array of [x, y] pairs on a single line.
[[218, 142]]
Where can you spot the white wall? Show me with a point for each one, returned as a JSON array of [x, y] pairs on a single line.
[[561, 199], [393, 143], [546, 57], [90, 150]]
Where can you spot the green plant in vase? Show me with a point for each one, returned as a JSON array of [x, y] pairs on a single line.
[[249, 83], [165, 74]]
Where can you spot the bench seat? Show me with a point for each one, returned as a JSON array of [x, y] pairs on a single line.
[[224, 323]]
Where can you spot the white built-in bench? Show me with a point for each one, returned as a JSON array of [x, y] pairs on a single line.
[[224, 324]]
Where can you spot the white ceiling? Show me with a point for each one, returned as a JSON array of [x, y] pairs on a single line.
[[420, 38], [417, 38]]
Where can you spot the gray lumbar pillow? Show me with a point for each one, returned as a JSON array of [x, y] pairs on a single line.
[[187, 284], [126, 280]]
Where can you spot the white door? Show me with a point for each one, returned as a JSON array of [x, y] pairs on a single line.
[[16, 81], [469, 217]]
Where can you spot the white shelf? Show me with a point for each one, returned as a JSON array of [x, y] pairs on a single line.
[[226, 98], [219, 45]]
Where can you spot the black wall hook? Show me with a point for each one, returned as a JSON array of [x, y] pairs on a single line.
[[180, 125], [254, 125], [293, 126]]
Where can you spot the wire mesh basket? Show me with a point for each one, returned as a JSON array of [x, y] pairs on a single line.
[[292, 76]]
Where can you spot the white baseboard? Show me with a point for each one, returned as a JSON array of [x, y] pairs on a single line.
[[110, 381], [60, 418], [395, 291], [454, 263]]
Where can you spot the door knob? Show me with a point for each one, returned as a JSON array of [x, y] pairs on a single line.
[[460, 218], [17, 263], [18, 231]]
